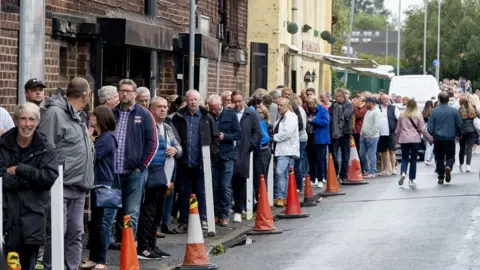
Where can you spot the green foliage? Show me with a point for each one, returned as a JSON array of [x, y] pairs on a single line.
[[325, 35], [367, 22], [218, 250], [380, 59], [372, 7], [460, 38], [340, 11]]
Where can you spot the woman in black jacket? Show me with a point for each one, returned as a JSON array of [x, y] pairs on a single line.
[[28, 167], [467, 139]]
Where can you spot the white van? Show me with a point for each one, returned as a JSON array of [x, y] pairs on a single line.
[[420, 87]]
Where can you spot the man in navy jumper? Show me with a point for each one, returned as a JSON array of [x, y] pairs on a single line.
[[137, 143], [224, 163]]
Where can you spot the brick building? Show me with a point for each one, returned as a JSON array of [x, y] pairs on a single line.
[[107, 40]]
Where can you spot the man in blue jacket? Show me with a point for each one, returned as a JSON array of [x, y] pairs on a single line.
[[223, 164], [440, 127], [137, 143]]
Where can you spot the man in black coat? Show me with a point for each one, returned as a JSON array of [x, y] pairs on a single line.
[[251, 134], [29, 168], [196, 128]]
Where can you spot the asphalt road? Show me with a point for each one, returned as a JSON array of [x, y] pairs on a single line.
[[377, 226]]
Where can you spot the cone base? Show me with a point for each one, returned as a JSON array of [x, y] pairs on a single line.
[[287, 216], [197, 267], [259, 232], [308, 204], [326, 194], [352, 183]]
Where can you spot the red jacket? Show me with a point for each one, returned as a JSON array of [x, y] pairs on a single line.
[[359, 115]]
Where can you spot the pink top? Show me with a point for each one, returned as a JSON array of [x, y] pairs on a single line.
[[407, 133]]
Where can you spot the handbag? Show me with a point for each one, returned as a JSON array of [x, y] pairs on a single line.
[[107, 197], [476, 124], [419, 132]]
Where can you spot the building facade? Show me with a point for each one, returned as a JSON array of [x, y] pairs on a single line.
[[145, 40], [373, 43], [269, 41]]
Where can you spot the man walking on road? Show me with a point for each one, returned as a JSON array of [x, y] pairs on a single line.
[[65, 129], [444, 125]]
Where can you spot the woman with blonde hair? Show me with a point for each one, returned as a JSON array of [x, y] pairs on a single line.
[[408, 132], [262, 156], [469, 134]]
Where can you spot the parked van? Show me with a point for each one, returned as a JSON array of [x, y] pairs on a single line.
[[420, 87]]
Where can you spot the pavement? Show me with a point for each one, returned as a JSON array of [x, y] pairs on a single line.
[[224, 238], [377, 226]]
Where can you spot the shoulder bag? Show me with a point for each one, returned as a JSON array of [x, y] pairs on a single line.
[[108, 197]]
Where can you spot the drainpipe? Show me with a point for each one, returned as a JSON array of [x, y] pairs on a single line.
[[218, 66], [151, 10], [295, 43], [31, 51]]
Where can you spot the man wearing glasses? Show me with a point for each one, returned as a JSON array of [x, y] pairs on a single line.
[[135, 147]]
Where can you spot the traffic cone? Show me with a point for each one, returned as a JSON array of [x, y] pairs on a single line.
[[264, 219], [128, 252], [332, 183], [308, 198], [13, 261], [293, 209], [195, 254], [354, 176]]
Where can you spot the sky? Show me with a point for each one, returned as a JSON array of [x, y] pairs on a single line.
[[392, 5]]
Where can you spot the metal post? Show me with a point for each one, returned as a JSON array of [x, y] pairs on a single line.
[[386, 46], [57, 222], [349, 41], [151, 11], [207, 174], [1, 215], [295, 61], [270, 181], [425, 38], [31, 50], [219, 62], [249, 197], [437, 69], [399, 35], [191, 54]]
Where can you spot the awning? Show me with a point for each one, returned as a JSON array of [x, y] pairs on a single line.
[[372, 72], [333, 60], [136, 33]]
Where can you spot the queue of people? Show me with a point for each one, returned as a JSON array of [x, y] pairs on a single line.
[[151, 152]]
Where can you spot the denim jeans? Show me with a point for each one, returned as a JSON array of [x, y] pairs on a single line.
[[222, 187], [190, 181], [368, 148], [409, 154], [298, 167], [109, 215], [282, 165], [132, 185], [167, 214]]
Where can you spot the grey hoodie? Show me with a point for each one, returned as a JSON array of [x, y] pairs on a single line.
[[68, 133]]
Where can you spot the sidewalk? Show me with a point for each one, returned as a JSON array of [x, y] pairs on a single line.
[[176, 244]]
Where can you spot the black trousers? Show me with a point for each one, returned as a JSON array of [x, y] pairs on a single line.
[[28, 256], [261, 161], [97, 238], [444, 155], [239, 188], [151, 213], [356, 137], [312, 157]]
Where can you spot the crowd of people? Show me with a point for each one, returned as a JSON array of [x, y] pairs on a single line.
[[151, 150]]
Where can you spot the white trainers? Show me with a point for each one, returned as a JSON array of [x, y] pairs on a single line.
[[412, 183], [316, 182], [460, 167], [320, 184], [468, 168], [237, 218]]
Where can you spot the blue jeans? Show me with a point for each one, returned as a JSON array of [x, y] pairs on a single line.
[[132, 185], [282, 165], [368, 148], [222, 187], [190, 181], [107, 221], [299, 168], [167, 213], [409, 154]]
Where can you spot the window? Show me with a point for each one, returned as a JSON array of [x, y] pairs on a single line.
[[63, 63]]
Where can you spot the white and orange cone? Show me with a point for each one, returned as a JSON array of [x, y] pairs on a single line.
[[354, 176], [196, 254]]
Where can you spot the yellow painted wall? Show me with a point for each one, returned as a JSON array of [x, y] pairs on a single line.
[[267, 23]]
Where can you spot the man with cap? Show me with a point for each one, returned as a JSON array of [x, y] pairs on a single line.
[[35, 93]]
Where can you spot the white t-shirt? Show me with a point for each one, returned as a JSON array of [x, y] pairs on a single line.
[[384, 130], [6, 121]]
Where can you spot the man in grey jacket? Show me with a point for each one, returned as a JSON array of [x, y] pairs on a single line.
[[337, 122], [65, 129], [344, 140]]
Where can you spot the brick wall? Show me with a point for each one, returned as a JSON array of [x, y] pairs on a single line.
[[175, 14]]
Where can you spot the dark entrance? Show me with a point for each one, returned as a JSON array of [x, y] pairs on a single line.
[[259, 67]]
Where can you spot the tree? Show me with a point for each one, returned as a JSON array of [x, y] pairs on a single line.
[[340, 12], [460, 38], [372, 7], [365, 22]]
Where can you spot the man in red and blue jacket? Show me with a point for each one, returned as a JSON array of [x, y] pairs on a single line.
[[137, 143]]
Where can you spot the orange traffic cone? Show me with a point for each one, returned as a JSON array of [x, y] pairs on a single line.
[[128, 252], [293, 209], [264, 219], [196, 254], [332, 183], [308, 198], [354, 176]]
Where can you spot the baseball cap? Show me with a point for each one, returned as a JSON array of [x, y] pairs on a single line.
[[32, 83], [370, 100]]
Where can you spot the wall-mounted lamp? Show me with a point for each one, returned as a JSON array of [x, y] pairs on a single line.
[[313, 76], [307, 77]]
